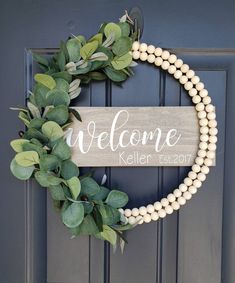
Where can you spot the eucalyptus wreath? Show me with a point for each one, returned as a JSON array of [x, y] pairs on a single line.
[[86, 207]]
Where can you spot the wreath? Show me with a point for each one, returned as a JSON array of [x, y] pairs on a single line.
[[87, 207]]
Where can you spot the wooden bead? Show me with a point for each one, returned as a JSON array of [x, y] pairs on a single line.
[[142, 210], [151, 58], [162, 213], [213, 131], [188, 85], [201, 177], [171, 69], [201, 153], [205, 169], [165, 55], [196, 168], [201, 114], [197, 183], [210, 154], [158, 51], [151, 49], [184, 68], [157, 205], [181, 200], [195, 79], [187, 182], [196, 99], [200, 107], [206, 100], [158, 61], [192, 92], [211, 115], [132, 220], [204, 130], [150, 208], [143, 47], [212, 146], [175, 205], [172, 58], [178, 63], [135, 45], [177, 74], [127, 212], [210, 108], [190, 74], [171, 197], [139, 219], [199, 86], [192, 175], [192, 190], [213, 139], [143, 56], [183, 79], [203, 92], [187, 195], [208, 162], [154, 216], [169, 209], [203, 145], [203, 122], [177, 193], [136, 55], [135, 211], [164, 201], [165, 65], [147, 218], [199, 160], [204, 138], [212, 123], [183, 187]]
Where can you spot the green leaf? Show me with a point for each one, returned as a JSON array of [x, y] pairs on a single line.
[[89, 187], [23, 117], [63, 75], [45, 80], [34, 133], [33, 147], [58, 114], [61, 149], [64, 49], [112, 28], [109, 214], [114, 75], [98, 218], [74, 46], [88, 207], [102, 194], [34, 110], [52, 130], [27, 158], [88, 49], [69, 170], [49, 162], [74, 186], [40, 92], [73, 215], [75, 114], [62, 84], [20, 172], [36, 123], [40, 60], [46, 179], [121, 62], [57, 192], [98, 76], [17, 144], [97, 37], [109, 235], [57, 97], [87, 227], [99, 56], [125, 28], [61, 61], [122, 46], [117, 199]]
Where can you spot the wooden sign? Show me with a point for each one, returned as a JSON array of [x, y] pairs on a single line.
[[134, 136]]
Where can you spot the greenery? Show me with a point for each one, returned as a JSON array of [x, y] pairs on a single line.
[[86, 207]]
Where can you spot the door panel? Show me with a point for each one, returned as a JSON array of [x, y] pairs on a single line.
[[195, 245]]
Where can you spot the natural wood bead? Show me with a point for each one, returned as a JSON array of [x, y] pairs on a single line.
[[164, 201], [142, 210], [192, 190], [197, 183], [150, 208], [127, 212], [184, 68], [151, 49], [195, 79], [151, 58], [162, 213], [143, 56], [206, 100], [190, 74], [210, 154], [171, 197], [205, 169], [187, 195], [212, 146], [204, 130], [196, 168], [183, 79], [158, 51], [175, 205], [201, 177], [132, 220], [143, 47], [212, 124], [200, 107], [135, 211], [211, 115], [201, 114], [147, 218], [136, 55], [201, 153], [199, 86], [177, 74], [187, 182], [188, 85], [203, 145], [199, 160], [204, 138], [135, 45], [181, 201], [171, 69], [158, 61], [178, 63], [210, 108], [165, 65], [196, 99], [157, 205], [177, 193], [165, 55], [172, 58], [183, 187], [203, 92], [169, 209], [154, 216], [208, 162], [139, 219], [203, 122], [213, 131], [192, 92], [192, 175], [213, 139]]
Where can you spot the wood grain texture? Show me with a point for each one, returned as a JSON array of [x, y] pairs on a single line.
[[141, 119]]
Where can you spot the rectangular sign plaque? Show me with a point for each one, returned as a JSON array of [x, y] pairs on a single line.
[[134, 136]]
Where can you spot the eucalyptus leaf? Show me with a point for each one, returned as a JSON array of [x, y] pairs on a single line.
[[40, 60], [88, 49], [47, 179], [34, 133], [125, 28], [45, 80], [61, 149], [49, 162], [97, 37], [109, 235], [29, 146], [122, 46], [102, 194], [57, 192], [23, 117], [36, 123], [34, 110], [21, 172], [98, 219], [57, 97], [87, 227], [52, 130], [62, 84], [74, 186], [117, 199], [112, 28], [121, 62], [99, 56], [109, 40], [61, 60], [76, 114], [110, 215], [74, 46], [89, 187], [69, 169], [63, 75], [17, 144], [73, 215], [115, 75], [58, 114], [27, 158]]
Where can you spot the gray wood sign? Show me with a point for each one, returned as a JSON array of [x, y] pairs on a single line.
[[134, 136]]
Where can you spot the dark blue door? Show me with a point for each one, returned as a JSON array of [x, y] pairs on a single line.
[[196, 245]]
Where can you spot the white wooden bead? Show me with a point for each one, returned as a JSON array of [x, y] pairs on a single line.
[[187, 195], [158, 61], [188, 85], [192, 92], [184, 68], [132, 220], [208, 162], [181, 200], [212, 146], [195, 79], [212, 123], [178, 63], [210, 108], [183, 79], [203, 122], [199, 86], [187, 182], [121, 210], [204, 138], [162, 213], [164, 201], [211, 115], [172, 58], [196, 99], [143, 47], [177, 193], [210, 154], [204, 130], [192, 190], [158, 51], [151, 49], [206, 100], [142, 210], [127, 212], [177, 74], [205, 169], [197, 183], [203, 92], [143, 56], [151, 58], [199, 160], [213, 131], [171, 197], [154, 216], [136, 55], [192, 175], [183, 187], [213, 139], [165, 55], [165, 65], [201, 153], [169, 209], [175, 205], [147, 218], [135, 45], [190, 74], [201, 177], [171, 69], [157, 205], [139, 219], [200, 107], [135, 211], [196, 168], [150, 208], [203, 145]]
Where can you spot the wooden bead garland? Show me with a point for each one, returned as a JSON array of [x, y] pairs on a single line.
[[208, 131]]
